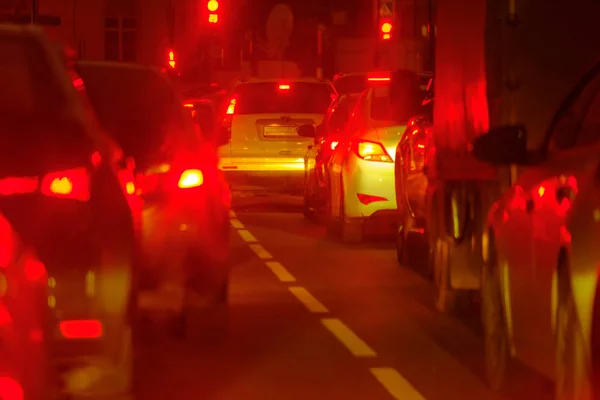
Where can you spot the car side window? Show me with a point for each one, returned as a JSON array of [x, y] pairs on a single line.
[[569, 127]]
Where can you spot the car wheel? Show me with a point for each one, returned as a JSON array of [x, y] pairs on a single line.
[[496, 340], [401, 250], [573, 375]]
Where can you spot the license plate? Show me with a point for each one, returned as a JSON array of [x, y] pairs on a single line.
[[280, 131]]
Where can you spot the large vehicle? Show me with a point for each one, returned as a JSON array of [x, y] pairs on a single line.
[[493, 67]]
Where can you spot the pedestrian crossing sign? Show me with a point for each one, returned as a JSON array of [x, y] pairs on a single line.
[[386, 9]]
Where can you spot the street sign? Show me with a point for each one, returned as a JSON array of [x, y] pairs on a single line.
[[386, 9]]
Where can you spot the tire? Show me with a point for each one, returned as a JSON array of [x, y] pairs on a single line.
[[493, 317], [573, 373], [401, 246]]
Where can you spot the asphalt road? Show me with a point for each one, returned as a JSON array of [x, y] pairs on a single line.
[[310, 318]]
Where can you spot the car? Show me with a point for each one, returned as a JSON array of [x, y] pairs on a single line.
[[540, 293], [69, 206], [413, 188], [326, 137], [350, 83], [184, 240], [23, 312], [259, 122], [361, 170]]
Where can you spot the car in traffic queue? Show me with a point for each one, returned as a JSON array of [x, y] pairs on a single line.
[[23, 319], [184, 243], [361, 170], [412, 187], [540, 292], [350, 82], [259, 124], [326, 137], [62, 195]]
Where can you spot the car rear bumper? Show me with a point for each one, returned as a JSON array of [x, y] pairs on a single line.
[[380, 223], [373, 181]]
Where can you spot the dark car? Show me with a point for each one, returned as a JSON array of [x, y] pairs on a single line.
[[412, 182], [326, 137], [62, 195], [185, 225], [23, 322]]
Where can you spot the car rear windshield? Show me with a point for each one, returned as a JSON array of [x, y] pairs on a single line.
[[399, 101], [138, 106], [36, 136], [351, 84], [277, 98]]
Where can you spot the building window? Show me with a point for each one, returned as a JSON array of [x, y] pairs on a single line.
[[120, 39]]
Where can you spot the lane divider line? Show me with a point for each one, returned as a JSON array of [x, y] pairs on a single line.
[[247, 236], [348, 338], [260, 251], [280, 271], [236, 223], [309, 301], [395, 384]]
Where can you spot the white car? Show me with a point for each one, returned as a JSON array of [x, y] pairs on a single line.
[[361, 171], [260, 120]]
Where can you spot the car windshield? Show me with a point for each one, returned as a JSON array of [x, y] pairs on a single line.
[[137, 106], [277, 98], [355, 83]]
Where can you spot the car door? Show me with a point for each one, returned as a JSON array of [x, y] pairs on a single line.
[[550, 189]]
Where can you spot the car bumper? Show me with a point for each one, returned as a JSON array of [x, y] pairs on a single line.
[[369, 189]]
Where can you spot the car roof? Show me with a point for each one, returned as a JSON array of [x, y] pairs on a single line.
[[290, 80], [118, 65]]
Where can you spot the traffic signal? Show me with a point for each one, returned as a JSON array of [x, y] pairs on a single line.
[[171, 58], [213, 11], [385, 28]]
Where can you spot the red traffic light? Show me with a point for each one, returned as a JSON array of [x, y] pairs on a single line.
[[385, 28], [213, 6]]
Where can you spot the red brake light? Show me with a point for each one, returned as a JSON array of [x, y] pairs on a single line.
[[81, 329], [10, 389], [284, 87], [188, 105], [371, 151], [378, 78], [191, 178], [34, 269], [333, 145], [231, 107], [71, 184], [5, 319]]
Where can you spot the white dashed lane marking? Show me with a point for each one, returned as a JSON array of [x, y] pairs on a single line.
[[398, 387], [309, 301], [247, 236], [348, 338], [280, 271]]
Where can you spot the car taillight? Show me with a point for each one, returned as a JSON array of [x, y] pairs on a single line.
[[70, 184], [333, 145], [10, 389], [35, 270], [190, 178], [81, 329], [371, 151], [5, 318], [231, 107]]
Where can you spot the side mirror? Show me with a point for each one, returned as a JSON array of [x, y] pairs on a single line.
[[308, 131], [503, 145]]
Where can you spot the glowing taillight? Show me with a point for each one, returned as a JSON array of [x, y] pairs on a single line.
[[81, 329], [5, 318], [284, 87], [188, 105], [333, 145], [378, 79], [71, 184], [231, 107], [10, 389], [371, 151], [191, 178], [35, 270], [130, 187]]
